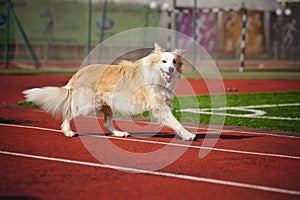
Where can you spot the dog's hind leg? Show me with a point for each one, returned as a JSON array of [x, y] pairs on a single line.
[[108, 115], [66, 129]]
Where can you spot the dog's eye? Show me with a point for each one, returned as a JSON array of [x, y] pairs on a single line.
[[164, 61], [174, 62]]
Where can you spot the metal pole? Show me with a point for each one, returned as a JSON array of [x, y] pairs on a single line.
[[103, 21], [88, 47], [175, 14], [194, 33], [169, 43], [102, 27], [175, 22], [243, 38], [25, 39], [6, 45]]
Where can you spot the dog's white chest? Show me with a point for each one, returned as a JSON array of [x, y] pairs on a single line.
[[125, 103]]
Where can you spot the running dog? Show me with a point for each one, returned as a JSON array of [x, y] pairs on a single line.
[[130, 88]]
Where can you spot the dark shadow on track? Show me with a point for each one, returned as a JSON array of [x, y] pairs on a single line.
[[14, 121], [172, 135]]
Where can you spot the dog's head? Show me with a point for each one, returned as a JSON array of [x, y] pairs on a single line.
[[167, 64]]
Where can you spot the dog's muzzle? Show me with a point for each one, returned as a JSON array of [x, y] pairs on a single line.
[[167, 75]]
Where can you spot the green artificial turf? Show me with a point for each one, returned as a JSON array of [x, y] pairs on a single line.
[[236, 100]]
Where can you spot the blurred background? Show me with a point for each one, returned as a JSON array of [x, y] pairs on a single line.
[[60, 33]]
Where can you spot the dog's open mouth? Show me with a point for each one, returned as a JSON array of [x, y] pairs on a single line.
[[167, 76]]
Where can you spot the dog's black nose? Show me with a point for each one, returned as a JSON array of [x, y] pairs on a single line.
[[171, 69]]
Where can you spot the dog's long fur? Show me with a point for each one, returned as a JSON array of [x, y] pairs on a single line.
[[129, 88]]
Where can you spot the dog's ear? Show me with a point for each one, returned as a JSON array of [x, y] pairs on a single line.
[[158, 48], [179, 52]]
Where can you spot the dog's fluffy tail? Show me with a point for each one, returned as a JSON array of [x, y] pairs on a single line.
[[54, 100]]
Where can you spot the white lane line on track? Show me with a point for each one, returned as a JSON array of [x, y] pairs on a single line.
[[197, 147], [164, 143], [218, 130], [156, 173], [31, 127]]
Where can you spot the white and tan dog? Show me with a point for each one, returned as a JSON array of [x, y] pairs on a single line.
[[129, 88]]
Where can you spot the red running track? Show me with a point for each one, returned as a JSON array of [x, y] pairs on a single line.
[[241, 165]]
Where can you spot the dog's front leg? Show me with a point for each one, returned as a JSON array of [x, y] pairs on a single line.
[[166, 118]]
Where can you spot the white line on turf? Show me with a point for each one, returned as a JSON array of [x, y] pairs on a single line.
[[250, 112], [165, 143], [156, 173]]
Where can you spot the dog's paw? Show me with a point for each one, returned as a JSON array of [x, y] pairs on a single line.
[[69, 134], [189, 137], [120, 134]]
